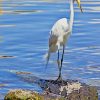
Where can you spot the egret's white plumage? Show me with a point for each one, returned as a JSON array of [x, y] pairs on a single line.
[[59, 34]]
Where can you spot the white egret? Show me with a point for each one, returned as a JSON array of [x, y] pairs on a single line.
[[59, 34]]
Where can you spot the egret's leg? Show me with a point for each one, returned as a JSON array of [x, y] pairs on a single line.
[[60, 77], [60, 67], [62, 56], [58, 62]]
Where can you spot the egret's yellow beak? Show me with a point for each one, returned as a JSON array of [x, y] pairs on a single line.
[[79, 5]]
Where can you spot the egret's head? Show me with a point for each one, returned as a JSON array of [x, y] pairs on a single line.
[[79, 4]]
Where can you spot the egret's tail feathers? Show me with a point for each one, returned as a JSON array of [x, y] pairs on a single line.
[[47, 57]]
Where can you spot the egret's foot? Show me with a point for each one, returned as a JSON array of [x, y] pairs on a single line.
[[59, 79]]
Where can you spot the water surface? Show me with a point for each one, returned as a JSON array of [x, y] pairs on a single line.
[[24, 32]]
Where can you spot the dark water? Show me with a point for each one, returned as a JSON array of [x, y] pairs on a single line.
[[24, 32]]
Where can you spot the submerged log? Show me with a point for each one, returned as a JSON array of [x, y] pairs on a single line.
[[54, 90]]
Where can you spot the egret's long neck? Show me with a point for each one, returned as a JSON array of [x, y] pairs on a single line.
[[71, 14]]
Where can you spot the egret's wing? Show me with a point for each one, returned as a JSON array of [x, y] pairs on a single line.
[[60, 27], [53, 39]]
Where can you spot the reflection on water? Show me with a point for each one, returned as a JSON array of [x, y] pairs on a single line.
[[21, 11], [1, 38], [24, 30]]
